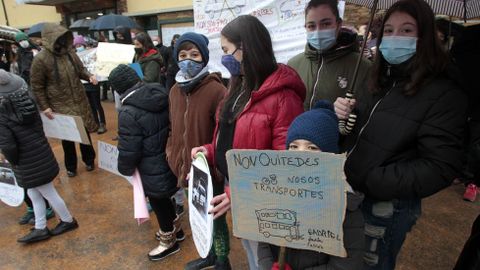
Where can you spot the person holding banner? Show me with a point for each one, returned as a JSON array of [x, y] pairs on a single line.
[[55, 80], [193, 103], [317, 130], [328, 62], [143, 127], [263, 99], [408, 139], [24, 145], [93, 91]]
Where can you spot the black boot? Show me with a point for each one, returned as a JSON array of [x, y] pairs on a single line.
[[225, 265], [35, 235], [64, 227], [198, 264]]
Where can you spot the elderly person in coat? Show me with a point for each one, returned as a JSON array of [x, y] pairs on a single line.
[[55, 80]]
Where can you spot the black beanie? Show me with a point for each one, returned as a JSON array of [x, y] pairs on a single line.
[[123, 78]]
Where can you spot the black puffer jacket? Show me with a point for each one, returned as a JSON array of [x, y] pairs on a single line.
[[23, 141], [143, 127], [412, 145], [25, 58]]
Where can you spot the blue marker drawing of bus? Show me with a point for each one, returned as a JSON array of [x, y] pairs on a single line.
[[280, 223]]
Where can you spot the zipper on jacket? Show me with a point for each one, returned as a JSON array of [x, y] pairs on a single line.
[[315, 85], [185, 127], [368, 120]]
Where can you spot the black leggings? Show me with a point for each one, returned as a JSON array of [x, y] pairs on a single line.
[[164, 211], [70, 152], [95, 104]]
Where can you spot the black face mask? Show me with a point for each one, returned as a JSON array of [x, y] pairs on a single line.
[[139, 51]]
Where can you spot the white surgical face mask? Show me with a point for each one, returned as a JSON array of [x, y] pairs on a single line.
[[24, 44], [155, 43]]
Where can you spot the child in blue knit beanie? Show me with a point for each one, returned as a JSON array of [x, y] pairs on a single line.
[[317, 130]]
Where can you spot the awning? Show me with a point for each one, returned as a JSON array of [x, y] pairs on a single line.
[[156, 11], [43, 2]]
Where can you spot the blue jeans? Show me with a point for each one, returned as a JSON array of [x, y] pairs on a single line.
[[386, 226]]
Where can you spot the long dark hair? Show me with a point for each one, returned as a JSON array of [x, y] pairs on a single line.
[[144, 39], [247, 33], [430, 59]]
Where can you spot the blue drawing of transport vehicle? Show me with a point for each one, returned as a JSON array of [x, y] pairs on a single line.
[[278, 223], [213, 8]]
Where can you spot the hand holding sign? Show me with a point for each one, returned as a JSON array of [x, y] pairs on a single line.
[[221, 205], [48, 113]]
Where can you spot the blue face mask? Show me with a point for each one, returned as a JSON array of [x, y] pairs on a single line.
[[190, 67], [322, 39], [398, 49], [232, 64], [80, 49]]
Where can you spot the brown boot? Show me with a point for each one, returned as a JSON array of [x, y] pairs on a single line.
[[168, 245]]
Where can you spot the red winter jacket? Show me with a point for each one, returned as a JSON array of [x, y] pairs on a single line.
[[264, 122]]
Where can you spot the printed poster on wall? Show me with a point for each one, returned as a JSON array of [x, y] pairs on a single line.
[[289, 198], [284, 19], [200, 194], [10, 193]]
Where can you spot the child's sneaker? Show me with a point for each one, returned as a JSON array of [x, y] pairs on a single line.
[[29, 216], [470, 193]]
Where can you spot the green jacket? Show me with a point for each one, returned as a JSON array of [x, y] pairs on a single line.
[[330, 72], [55, 78], [151, 66]]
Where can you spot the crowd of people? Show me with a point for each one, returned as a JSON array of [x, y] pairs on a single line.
[[408, 143]]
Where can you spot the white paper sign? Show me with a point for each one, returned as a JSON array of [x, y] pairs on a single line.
[[200, 194], [284, 20], [110, 55], [65, 127], [108, 159], [10, 193]]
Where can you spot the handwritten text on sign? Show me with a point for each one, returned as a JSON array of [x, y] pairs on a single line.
[[108, 159], [289, 198]]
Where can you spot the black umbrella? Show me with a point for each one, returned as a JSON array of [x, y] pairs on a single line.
[[82, 24], [111, 21], [36, 30]]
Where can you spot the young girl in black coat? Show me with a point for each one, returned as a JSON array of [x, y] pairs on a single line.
[[24, 145]]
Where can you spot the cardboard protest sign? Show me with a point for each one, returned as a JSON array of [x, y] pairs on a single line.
[[108, 159], [200, 194], [10, 193], [289, 198], [110, 55], [65, 127]]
